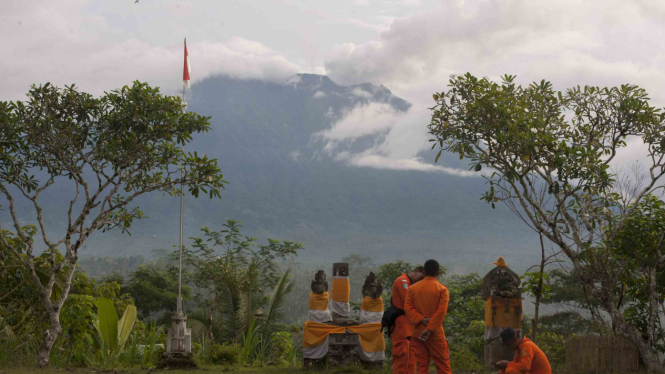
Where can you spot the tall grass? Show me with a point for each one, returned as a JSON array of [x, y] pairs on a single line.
[[16, 350], [294, 356], [152, 349], [255, 347]]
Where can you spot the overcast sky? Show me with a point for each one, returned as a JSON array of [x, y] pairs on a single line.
[[410, 46]]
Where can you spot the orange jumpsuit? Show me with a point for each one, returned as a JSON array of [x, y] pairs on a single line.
[[428, 299], [528, 359], [403, 363]]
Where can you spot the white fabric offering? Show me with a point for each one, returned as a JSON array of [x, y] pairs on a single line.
[[316, 352], [320, 316], [370, 317]]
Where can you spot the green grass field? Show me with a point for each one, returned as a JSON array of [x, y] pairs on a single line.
[[205, 370]]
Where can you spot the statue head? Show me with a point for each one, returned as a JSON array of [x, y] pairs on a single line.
[[319, 284], [372, 287]]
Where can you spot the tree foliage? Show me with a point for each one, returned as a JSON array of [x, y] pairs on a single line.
[[154, 289], [108, 151], [530, 138], [233, 273]]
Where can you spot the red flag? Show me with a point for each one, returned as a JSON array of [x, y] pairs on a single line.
[[186, 69]]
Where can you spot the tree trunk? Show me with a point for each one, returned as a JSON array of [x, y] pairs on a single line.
[[50, 335], [52, 308], [654, 301], [210, 334], [649, 358], [539, 292]]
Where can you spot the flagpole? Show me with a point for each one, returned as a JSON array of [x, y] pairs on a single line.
[[182, 204], [179, 336]]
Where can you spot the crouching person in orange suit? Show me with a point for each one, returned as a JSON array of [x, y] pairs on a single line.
[[426, 306], [529, 359], [403, 362]]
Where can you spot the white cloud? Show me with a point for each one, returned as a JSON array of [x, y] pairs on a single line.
[[361, 120], [402, 136], [568, 42], [319, 94], [358, 91], [410, 46], [605, 43], [59, 43], [376, 161]]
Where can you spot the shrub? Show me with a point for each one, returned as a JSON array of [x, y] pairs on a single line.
[[554, 346], [461, 358], [224, 354], [282, 345], [467, 347]]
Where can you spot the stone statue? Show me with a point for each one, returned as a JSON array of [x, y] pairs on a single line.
[[319, 284], [372, 287], [501, 282]]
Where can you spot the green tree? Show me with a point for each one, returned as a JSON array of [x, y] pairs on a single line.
[[108, 151], [233, 271], [640, 256], [537, 284], [388, 272], [466, 312], [154, 289], [568, 323], [532, 138]]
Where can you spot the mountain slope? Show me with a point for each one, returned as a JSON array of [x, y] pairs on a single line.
[[284, 185]]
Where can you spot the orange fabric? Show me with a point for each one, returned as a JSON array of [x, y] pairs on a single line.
[[399, 291], [371, 336], [403, 361], [341, 290], [435, 349], [529, 359], [318, 302], [500, 262], [371, 304], [316, 333], [496, 315], [427, 299]]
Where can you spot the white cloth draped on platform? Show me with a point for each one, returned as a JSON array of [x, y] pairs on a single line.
[[370, 317], [343, 309], [316, 352], [320, 316], [370, 356]]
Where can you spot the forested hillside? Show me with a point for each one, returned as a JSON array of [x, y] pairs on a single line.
[[283, 185]]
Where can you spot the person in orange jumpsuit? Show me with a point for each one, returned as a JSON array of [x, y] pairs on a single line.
[[403, 363], [426, 306], [528, 357]]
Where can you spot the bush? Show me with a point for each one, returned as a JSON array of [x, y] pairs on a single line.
[[554, 346], [461, 358], [282, 345], [224, 354], [467, 347]]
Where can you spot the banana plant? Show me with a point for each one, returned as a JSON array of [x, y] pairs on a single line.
[[111, 333]]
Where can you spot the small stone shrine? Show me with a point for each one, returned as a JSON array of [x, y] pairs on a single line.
[[331, 336], [503, 308]]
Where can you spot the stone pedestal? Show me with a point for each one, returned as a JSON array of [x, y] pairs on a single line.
[[178, 345], [179, 340], [339, 295], [343, 349]]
